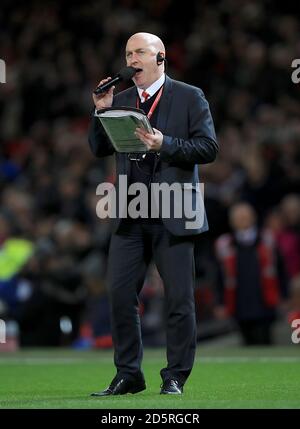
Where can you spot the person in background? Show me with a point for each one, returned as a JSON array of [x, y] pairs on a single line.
[[252, 276]]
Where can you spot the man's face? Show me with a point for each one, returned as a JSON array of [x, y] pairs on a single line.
[[142, 54], [242, 218]]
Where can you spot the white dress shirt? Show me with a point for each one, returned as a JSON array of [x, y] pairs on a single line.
[[152, 88]]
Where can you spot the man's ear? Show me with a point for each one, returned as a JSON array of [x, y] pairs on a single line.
[[160, 58]]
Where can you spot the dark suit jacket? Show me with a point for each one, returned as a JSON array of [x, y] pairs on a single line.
[[189, 139]]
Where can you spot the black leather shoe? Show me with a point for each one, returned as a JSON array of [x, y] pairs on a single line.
[[171, 387], [121, 386]]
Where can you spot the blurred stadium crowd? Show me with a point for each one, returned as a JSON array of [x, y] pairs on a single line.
[[53, 247]]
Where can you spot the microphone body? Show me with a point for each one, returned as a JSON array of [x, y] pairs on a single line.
[[105, 86], [125, 74]]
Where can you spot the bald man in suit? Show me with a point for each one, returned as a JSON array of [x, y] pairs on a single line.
[[184, 137]]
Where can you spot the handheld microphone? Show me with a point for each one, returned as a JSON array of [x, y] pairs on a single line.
[[125, 74]]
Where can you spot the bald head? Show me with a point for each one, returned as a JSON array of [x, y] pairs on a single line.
[[141, 52], [150, 40]]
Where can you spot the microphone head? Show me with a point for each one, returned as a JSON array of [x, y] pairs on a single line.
[[128, 72]]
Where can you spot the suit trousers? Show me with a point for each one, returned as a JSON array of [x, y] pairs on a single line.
[[131, 250]]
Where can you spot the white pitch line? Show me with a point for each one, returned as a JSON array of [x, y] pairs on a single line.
[[204, 360]]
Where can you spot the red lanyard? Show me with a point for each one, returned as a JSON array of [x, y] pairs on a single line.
[[155, 103]]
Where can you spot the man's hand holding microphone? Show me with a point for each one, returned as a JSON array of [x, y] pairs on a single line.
[[103, 100]]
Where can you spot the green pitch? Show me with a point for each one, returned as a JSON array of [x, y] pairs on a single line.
[[221, 378]]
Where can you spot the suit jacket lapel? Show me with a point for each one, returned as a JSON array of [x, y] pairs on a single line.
[[131, 97], [163, 113], [164, 105]]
